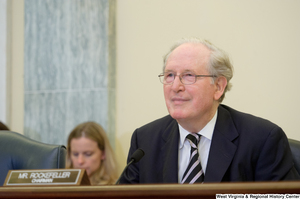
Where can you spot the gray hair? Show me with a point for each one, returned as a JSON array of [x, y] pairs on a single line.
[[219, 63]]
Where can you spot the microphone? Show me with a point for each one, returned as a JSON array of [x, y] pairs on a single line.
[[136, 156]]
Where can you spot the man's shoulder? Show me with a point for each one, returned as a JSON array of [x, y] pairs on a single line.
[[246, 119]]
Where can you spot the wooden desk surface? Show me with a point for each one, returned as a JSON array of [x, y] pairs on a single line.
[[203, 191]]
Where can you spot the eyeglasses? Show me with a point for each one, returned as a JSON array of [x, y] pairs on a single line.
[[185, 78]]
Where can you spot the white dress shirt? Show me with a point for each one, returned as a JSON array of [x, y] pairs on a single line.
[[203, 147]]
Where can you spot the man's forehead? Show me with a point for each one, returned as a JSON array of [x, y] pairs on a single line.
[[189, 52]]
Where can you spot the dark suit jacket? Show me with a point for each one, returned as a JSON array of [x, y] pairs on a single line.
[[243, 148]]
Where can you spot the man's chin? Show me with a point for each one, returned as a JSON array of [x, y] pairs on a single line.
[[178, 116]]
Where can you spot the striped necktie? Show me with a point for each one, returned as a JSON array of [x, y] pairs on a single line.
[[194, 172]]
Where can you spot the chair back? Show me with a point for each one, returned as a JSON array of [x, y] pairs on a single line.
[[20, 152], [295, 148]]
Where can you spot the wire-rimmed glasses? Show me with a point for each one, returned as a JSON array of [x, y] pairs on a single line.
[[186, 78]]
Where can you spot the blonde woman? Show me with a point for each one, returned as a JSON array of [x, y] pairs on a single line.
[[89, 148]]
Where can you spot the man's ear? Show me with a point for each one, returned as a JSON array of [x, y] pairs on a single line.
[[220, 83]]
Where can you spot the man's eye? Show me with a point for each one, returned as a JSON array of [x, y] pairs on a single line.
[[169, 75], [188, 75]]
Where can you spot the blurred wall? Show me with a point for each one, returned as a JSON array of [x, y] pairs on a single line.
[[15, 59], [4, 42], [68, 74]]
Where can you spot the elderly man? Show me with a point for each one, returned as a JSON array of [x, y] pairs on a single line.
[[201, 140]]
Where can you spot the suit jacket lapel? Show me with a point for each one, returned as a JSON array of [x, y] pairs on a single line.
[[222, 149], [170, 153]]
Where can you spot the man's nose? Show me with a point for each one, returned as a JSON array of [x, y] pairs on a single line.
[[177, 84]]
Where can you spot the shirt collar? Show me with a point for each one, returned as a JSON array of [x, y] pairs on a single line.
[[207, 131]]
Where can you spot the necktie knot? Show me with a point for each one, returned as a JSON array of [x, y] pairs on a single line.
[[193, 139]]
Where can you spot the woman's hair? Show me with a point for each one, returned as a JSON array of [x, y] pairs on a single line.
[[107, 173], [219, 63]]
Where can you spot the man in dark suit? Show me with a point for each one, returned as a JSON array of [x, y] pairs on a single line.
[[233, 146]]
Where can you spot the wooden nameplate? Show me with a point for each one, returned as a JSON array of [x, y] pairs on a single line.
[[46, 177]]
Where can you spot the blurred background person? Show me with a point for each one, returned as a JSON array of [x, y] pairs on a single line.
[[88, 148], [3, 127]]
